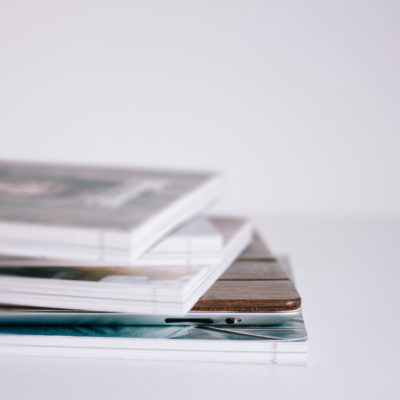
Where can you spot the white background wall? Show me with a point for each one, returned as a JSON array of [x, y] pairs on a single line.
[[297, 102]]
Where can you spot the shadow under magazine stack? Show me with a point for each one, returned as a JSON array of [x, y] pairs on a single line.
[[112, 262]]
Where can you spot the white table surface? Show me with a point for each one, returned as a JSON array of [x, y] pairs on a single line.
[[348, 273]]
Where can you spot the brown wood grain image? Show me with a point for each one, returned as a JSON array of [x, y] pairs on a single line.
[[254, 282]]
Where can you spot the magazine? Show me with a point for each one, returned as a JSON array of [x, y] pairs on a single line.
[[103, 214], [163, 289], [197, 242], [284, 344]]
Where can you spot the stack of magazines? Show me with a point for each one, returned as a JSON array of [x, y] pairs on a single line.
[[125, 263]]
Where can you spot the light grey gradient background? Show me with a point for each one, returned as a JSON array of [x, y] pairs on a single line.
[[296, 101]]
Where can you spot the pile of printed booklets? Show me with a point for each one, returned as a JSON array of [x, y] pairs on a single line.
[[124, 263]]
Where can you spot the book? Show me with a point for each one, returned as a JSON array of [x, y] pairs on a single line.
[[284, 344], [197, 242], [98, 214], [244, 302], [27, 330], [165, 289]]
